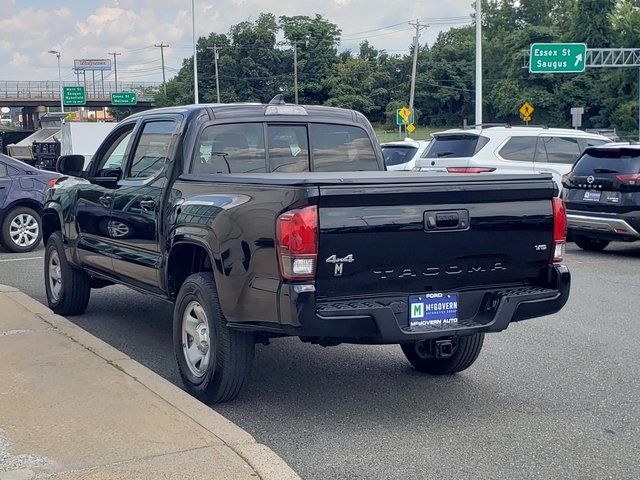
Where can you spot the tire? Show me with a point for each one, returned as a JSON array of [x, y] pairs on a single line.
[[226, 360], [465, 353], [21, 230], [590, 244], [68, 289]]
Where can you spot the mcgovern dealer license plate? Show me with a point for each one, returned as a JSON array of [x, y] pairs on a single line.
[[433, 310]]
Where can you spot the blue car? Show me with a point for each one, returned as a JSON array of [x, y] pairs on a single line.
[[22, 194]]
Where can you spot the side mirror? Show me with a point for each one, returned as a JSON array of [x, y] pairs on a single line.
[[71, 165]]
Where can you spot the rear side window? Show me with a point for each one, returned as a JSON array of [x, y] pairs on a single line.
[[619, 161], [288, 148], [3, 170], [341, 148], [462, 145], [522, 149], [152, 151], [233, 148], [396, 155], [561, 149]]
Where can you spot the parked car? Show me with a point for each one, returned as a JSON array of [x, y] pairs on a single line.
[[22, 194], [602, 194], [402, 155], [263, 221], [506, 149]]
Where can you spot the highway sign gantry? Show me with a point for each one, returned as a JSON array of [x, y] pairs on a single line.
[[124, 98], [557, 58], [74, 96]]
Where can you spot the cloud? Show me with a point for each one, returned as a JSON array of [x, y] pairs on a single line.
[[81, 29]]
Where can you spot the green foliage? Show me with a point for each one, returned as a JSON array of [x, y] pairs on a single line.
[[255, 60]]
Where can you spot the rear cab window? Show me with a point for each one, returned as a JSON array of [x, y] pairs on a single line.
[[279, 147], [455, 145]]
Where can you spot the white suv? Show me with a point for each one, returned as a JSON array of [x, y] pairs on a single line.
[[506, 149], [402, 155]]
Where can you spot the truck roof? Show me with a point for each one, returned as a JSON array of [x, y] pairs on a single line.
[[260, 110]]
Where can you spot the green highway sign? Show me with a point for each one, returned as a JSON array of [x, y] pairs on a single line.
[[73, 96], [124, 98], [404, 116], [557, 58]]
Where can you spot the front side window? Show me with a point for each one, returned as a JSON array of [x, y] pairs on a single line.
[[152, 151], [234, 148], [113, 160], [521, 149], [340, 148], [561, 149], [3, 170], [288, 148]]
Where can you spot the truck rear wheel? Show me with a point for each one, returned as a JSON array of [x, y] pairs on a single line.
[[590, 244], [68, 289], [214, 361], [465, 351]]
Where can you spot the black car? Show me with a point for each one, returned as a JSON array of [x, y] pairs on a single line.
[[263, 221], [602, 195]]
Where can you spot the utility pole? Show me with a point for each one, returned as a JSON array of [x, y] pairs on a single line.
[[195, 52], [416, 44], [115, 66], [478, 118], [215, 63], [162, 46], [295, 71]]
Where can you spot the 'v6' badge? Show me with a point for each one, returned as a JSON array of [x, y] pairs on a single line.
[[339, 263]]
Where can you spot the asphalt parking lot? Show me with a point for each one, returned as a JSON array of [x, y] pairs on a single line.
[[555, 397]]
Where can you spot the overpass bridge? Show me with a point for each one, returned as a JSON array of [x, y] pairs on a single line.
[[35, 96]]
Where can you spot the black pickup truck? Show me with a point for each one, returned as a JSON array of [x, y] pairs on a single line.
[[262, 221]]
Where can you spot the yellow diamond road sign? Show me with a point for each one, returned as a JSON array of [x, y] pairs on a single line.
[[405, 113], [411, 128], [526, 110]]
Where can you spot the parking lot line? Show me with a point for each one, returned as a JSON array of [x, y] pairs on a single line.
[[20, 259]]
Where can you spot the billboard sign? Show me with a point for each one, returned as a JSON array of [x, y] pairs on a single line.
[[95, 64]]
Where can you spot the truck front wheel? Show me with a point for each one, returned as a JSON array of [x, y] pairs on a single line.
[[214, 361], [424, 356]]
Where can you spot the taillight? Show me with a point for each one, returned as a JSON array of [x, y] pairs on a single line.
[[631, 179], [470, 169], [297, 243], [559, 230], [52, 182]]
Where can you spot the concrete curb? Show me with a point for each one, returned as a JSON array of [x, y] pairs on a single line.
[[265, 462]]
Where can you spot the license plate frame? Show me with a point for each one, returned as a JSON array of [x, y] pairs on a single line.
[[436, 309], [592, 196]]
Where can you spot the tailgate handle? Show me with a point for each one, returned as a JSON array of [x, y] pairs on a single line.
[[446, 220]]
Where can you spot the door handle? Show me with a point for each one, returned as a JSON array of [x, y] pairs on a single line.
[[105, 201], [148, 205]]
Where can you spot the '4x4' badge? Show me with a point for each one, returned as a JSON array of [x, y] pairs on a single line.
[[339, 263]]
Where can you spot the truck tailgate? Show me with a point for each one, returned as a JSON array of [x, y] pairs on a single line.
[[433, 235]]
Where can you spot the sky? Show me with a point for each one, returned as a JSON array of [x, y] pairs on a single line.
[[92, 29]]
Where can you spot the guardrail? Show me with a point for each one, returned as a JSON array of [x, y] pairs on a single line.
[[50, 90]]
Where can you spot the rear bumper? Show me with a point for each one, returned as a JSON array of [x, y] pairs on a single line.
[[601, 225], [386, 320]]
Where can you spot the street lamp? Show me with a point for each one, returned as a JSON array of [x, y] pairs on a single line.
[[195, 53], [57, 54]]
